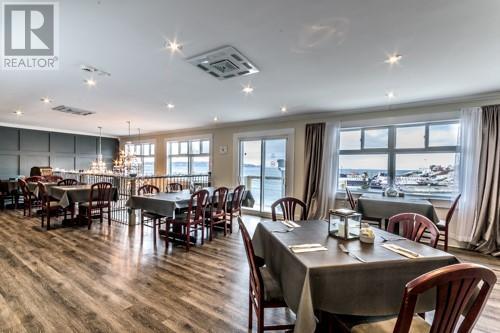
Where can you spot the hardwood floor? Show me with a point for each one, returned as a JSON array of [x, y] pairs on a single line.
[[108, 279]]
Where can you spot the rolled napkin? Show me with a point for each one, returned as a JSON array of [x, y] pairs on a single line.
[[301, 248], [402, 251], [290, 224]]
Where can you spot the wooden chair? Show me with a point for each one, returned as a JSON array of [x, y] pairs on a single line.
[[67, 182], [53, 179], [99, 200], [217, 212], [190, 222], [350, 199], [50, 207], [234, 206], [30, 200], [444, 225], [458, 293], [288, 206], [174, 187], [34, 179], [264, 290], [414, 226], [149, 189]]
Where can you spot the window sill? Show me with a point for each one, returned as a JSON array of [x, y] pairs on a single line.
[[341, 195]]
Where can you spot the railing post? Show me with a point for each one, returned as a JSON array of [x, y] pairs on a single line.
[[131, 212]]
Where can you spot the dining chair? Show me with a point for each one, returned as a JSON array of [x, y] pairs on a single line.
[[264, 291], [50, 206], [6, 194], [350, 198], [216, 214], [67, 182], [414, 226], [191, 221], [174, 187], [30, 200], [145, 215], [462, 290], [234, 206], [34, 179], [443, 225], [288, 207], [53, 179], [99, 201]]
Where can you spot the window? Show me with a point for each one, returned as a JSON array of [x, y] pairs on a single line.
[[145, 152], [416, 158], [188, 157]]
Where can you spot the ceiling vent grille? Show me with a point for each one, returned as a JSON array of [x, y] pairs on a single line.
[[224, 63], [72, 110]]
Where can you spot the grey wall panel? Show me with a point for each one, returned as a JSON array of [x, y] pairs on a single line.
[[62, 143], [36, 141], [63, 162], [28, 161], [83, 163], [9, 139], [86, 145], [109, 146], [9, 166]]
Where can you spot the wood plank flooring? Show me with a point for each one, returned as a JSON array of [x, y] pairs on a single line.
[[110, 279]]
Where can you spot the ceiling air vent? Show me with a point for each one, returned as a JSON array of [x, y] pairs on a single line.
[[72, 110], [224, 63]]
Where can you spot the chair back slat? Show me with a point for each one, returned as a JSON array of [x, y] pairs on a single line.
[[148, 189], [100, 195], [197, 206], [414, 226], [237, 198], [256, 281], [451, 211], [461, 289], [67, 182], [288, 207], [350, 198], [219, 200]]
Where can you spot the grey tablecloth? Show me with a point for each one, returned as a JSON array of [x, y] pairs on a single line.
[[166, 203], [75, 193], [33, 187], [334, 282], [378, 206]]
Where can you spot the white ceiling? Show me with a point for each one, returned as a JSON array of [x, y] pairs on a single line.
[[314, 55]]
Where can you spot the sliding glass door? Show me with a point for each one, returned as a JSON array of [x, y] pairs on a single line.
[[262, 169]]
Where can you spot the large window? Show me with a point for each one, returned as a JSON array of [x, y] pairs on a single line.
[[416, 158], [188, 157], [145, 152]]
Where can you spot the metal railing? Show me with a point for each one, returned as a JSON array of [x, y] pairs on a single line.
[[128, 186]]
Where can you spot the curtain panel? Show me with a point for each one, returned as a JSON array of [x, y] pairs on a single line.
[[314, 146], [486, 234]]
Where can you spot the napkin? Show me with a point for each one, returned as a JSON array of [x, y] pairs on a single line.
[[402, 251], [290, 224], [302, 248]]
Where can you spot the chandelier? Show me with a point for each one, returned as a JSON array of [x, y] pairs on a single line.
[[127, 163], [98, 166]]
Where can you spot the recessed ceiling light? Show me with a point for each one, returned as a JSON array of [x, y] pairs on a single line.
[[46, 100], [173, 46], [390, 94], [18, 113], [393, 59], [90, 82], [170, 106], [216, 119], [248, 89], [284, 109]]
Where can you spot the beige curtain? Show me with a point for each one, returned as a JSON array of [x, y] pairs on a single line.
[[314, 146], [486, 236]]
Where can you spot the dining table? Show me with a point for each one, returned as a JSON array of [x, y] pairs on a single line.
[[376, 205], [70, 194], [33, 187], [166, 203], [369, 280]]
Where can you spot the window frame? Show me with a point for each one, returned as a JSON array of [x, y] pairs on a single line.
[[189, 155], [141, 155], [391, 149]]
